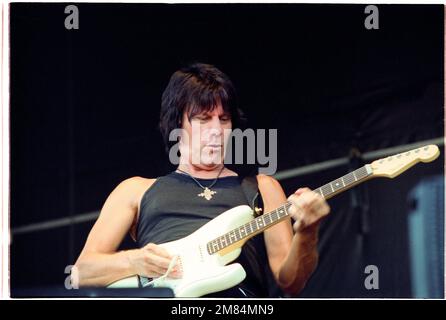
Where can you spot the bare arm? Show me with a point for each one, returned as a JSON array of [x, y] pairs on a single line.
[[99, 263], [292, 257]]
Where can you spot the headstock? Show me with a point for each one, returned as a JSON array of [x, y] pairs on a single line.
[[394, 165]]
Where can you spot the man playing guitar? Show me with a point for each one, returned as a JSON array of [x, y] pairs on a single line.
[[158, 210]]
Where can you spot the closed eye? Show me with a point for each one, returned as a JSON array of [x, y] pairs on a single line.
[[225, 119]]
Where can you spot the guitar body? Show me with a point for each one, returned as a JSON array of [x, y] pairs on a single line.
[[203, 273]]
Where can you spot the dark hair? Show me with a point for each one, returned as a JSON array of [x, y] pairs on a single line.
[[195, 89]]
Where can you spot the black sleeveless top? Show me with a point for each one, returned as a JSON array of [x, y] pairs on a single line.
[[171, 209]]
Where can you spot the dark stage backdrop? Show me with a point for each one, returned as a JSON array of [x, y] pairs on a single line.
[[85, 106]]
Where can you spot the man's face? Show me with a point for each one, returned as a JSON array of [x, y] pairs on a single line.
[[205, 136]]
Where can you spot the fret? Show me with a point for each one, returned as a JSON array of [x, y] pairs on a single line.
[[337, 184], [242, 231], [253, 225], [344, 183], [326, 190], [260, 222], [237, 234], [272, 215], [277, 215], [246, 232], [354, 175], [322, 192], [228, 240], [231, 236], [281, 212], [348, 179], [225, 243], [267, 216], [285, 208], [361, 173], [319, 190], [257, 224], [248, 225]]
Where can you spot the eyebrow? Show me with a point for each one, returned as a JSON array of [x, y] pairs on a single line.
[[207, 114]]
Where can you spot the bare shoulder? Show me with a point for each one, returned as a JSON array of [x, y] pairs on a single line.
[[138, 181], [267, 181], [133, 188]]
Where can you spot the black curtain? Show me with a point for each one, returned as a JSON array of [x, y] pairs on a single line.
[[85, 106]]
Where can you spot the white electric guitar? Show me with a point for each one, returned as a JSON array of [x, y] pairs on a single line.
[[203, 255]]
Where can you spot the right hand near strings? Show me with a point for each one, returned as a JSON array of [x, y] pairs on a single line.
[[152, 261]]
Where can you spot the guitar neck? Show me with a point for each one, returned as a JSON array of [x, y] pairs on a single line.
[[388, 167], [279, 214], [345, 182]]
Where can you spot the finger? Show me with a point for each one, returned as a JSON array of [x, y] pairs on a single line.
[[311, 204], [158, 250], [161, 262], [298, 225], [318, 212], [294, 213], [301, 190], [325, 210], [162, 252], [292, 210], [174, 268], [319, 207], [298, 201], [157, 271], [176, 274], [154, 272]]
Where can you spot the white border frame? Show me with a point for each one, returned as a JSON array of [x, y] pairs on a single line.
[[5, 107], [4, 128]]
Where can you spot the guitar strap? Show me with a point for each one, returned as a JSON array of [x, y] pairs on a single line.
[[250, 188]]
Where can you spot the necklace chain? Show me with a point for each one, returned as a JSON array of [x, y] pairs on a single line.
[[207, 192], [198, 182]]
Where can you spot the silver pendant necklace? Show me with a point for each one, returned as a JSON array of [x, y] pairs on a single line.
[[207, 193]]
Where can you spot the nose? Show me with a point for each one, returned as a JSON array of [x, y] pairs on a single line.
[[216, 126]]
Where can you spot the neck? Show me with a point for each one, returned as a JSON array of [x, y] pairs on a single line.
[[203, 172]]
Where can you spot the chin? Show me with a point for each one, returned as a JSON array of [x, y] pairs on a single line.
[[211, 162], [210, 159]]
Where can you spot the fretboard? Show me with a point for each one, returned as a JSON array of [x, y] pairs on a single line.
[[263, 222]]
